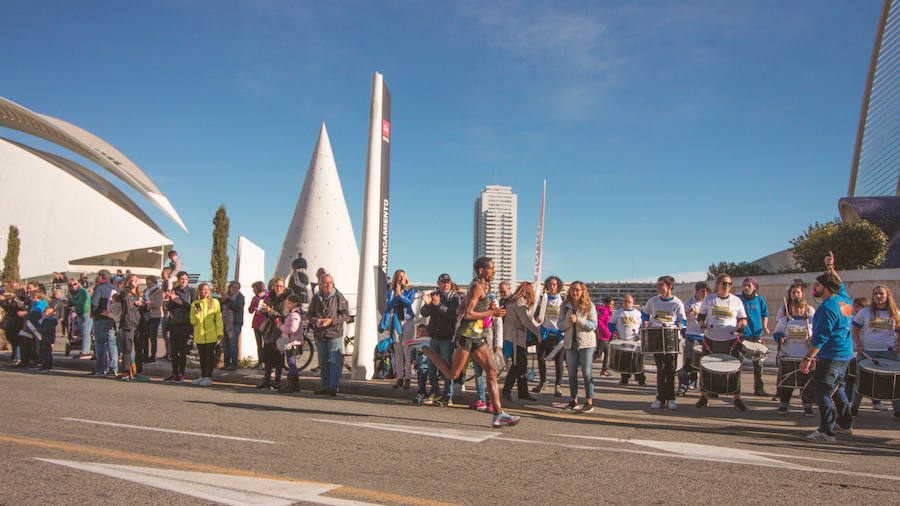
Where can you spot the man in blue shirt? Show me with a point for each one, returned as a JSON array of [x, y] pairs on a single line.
[[757, 325], [832, 346]]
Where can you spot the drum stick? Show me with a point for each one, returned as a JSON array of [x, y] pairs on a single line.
[[868, 357]]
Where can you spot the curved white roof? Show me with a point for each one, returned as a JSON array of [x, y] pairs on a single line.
[[88, 145], [65, 212]]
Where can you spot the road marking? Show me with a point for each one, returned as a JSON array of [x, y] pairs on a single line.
[[734, 460], [700, 450], [222, 488], [342, 491], [170, 431], [472, 436]]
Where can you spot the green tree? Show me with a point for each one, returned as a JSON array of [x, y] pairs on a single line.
[[859, 245], [11, 260], [219, 257], [735, 269]]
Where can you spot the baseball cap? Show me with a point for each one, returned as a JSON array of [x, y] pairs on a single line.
[[443, 277]]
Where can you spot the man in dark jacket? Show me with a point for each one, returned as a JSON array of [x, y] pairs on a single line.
[[234, 302], [440, 306], [179, 324], [105, 346], [327, 313]]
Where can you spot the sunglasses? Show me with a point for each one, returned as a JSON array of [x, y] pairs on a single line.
[[726, 283]]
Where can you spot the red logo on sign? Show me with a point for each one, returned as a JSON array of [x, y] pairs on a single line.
[[386, 129]]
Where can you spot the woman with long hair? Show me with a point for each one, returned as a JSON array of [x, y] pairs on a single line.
[[793, 331], [206, 316], [273, 309], [516, 325], [579, 322], [876, 331], [399, 320], [128, 324]]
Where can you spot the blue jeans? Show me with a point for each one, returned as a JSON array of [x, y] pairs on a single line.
[[584, 358], [887, 355], [444, 348], [85, 323], [829, 378], [329, 351], [230, 346], [105, 342]]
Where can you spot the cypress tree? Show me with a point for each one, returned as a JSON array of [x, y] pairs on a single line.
[[219, 256], [11, 260]]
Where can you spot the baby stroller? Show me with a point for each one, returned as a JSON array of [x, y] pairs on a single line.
[[74, 333]]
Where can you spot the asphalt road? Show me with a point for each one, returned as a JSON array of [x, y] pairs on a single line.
[[70, 439]]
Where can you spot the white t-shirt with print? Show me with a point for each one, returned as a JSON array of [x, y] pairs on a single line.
[[722, 315], [876, 331], [552, 312], [692, 309], [796, 335], [628, 323], [665, 313]]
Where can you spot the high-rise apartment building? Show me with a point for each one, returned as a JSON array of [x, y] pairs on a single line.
[[495, 231]]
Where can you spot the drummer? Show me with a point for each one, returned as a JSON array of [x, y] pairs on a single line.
[[792, 333], [687, 378], [664, 310], [875, 332], [832, 349], [625, 324], [757, 325], [723, 318]]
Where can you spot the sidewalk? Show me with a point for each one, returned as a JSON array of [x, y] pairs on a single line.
[[613, 403]]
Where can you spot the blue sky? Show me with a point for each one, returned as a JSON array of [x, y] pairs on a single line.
[[672, 134]]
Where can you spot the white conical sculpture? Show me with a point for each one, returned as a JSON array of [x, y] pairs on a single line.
[[321, 228]]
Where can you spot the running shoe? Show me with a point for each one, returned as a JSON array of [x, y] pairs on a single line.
[[501, 419], [671, 405], [490, 407], [125, 378], [537, 389], [572, 404], [882, 406], [820, 437], [656, 404], [179, 378], [739, 405], [605, 373], [557, 392], [485, 407], [170, 379], [479, 405], [840, 430], [642, 383], [702, 403], [587, 408], [623, 381]]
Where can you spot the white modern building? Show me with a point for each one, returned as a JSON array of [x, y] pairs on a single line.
[[88, 224], [495, 230]]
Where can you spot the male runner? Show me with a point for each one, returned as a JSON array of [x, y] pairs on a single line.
[[469, 339]]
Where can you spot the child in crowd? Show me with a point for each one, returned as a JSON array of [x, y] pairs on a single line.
[[48, 337], [292, 331], [420, 364], [625, 324]]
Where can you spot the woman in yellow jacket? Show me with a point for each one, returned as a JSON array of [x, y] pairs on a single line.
[[206, 316]]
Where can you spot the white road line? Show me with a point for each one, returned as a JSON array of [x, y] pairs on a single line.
[[763, 463], [221, 488], [170, 431], [697, 449], [472, 436]]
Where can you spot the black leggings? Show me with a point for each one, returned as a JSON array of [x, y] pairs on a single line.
[[603, 348], [140, 348], [127, 347], [274, 359], [544, 348], [207, 353], [179, 338], [516, 373]]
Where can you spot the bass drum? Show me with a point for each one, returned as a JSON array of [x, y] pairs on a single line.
[[720, 374], [625, 357], [879, 381]]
